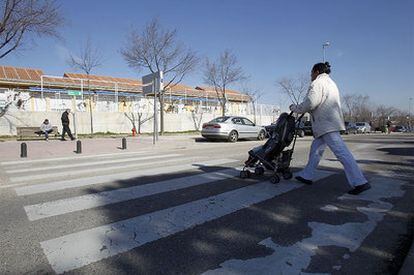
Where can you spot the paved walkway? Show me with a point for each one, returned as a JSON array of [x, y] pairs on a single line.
[[39, 149]]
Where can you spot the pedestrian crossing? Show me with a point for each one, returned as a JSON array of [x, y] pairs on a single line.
[[46, 200]]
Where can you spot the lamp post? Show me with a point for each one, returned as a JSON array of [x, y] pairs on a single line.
[[324, 46], [409, 114]]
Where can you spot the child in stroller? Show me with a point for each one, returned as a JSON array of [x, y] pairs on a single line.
[[272, 155]]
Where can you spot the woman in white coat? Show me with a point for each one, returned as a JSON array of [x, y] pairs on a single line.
[[323, 103]]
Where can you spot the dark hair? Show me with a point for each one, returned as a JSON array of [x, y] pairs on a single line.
[[322, 68]]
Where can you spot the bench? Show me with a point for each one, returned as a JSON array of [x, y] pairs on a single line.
[[30, 132]]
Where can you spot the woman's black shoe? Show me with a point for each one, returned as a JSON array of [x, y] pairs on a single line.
[[359, 189], [305, 181]]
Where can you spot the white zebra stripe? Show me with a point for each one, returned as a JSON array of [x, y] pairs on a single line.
[[24, 162], [83, 164], [85, 181], [71, 173], [63, 206], [79, 249]]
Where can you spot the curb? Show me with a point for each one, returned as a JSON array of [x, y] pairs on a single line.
[[408, 266]]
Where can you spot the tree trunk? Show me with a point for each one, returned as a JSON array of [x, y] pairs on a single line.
[[139, 123], [223, 108]]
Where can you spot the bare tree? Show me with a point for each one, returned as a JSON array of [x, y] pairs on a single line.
[[349, 102], [157, 49], [383, 114], [357, 107], [222, 73], [254, 96], [22, 20], [294, 88], [89, 59], [143, 115]]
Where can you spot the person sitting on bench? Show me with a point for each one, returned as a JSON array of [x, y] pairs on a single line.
[[46, 129]]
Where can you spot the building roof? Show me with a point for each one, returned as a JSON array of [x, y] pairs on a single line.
[[103, 78], [23, 74], [29, 77], [231, 94]]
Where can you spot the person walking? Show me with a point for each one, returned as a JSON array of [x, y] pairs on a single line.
[[388, 127], [323, 103], [46, 128], [65, 124]]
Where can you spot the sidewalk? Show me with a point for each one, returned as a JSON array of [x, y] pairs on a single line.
[[40, 149]]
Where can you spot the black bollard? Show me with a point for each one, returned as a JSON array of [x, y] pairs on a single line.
[[23, 150], [78, 147], [124, 144]]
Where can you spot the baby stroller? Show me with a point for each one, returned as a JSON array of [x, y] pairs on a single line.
[[271, 155]]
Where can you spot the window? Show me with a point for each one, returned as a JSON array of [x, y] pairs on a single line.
[[237, 120], [247, 122], [220, 119]]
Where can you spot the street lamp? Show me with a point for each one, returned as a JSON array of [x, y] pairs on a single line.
[[324, 45]]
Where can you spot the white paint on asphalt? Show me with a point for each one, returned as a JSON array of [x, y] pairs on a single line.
[[85, 181], [297, 257], [24, 162], [71, 173], [79, 249], [329, 208], [63, 206], [83, 165]]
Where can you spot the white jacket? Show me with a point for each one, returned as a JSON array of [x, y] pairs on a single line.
[[323, 103], [46, 127]]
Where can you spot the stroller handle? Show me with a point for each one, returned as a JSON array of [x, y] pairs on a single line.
[[299, 118]]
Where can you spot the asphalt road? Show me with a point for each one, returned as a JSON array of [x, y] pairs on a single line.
[[184, 210]]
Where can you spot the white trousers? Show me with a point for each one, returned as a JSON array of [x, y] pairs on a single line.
[[335, 142]]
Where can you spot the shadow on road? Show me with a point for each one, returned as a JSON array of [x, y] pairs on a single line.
[[399, 151], [283, 219]]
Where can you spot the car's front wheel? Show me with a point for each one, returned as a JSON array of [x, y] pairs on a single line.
[[261, 135], [233, 136]]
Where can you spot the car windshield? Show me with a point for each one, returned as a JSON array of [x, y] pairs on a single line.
[[360, 124], [220, 119]]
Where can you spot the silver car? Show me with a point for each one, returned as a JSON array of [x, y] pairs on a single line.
[[363, 127], [232, 128]]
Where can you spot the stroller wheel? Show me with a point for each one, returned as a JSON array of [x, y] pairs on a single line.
[[287, 175], [259, 171], [245, 174], [274, 179]]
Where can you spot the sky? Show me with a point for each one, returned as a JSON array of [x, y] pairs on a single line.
[[371, 42]]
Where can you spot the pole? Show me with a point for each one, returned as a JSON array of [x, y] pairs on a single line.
[[160, 86], [23, 150], [116, 96], [74, 125], [409, 114], [82, 89], [323, 54], [78, 147], [41, 86], [155, 113], [124, 144], [324, 45]]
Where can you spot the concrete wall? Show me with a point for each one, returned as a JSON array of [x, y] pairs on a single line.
[[116, 122]]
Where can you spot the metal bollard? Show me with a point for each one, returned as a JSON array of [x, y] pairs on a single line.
[[124, 144], [23, 150], [78, 147]]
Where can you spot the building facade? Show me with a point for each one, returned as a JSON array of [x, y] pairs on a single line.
[[27, 96]]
